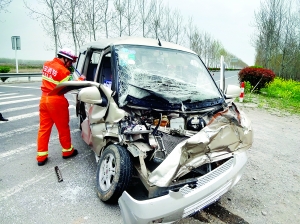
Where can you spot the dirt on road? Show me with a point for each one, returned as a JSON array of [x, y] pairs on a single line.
[[269, 191]]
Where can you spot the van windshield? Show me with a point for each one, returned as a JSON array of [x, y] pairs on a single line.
[[171, 76]]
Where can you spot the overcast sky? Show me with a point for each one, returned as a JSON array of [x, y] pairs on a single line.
[[229, 21]]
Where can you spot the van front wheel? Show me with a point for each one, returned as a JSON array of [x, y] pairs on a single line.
[[114, 172]]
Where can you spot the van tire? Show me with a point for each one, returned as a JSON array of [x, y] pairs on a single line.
[[114, 173]]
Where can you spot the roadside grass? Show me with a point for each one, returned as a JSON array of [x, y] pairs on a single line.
[[280, 94], [23, 65], [25, 68]]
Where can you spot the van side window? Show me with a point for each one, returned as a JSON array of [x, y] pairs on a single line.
[[92, 67], [80, 62], [105, 71]]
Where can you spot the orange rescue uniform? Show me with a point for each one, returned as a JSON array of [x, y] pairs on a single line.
[[53, 110]]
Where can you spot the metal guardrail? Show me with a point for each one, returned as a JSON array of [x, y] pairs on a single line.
[[17, 75]]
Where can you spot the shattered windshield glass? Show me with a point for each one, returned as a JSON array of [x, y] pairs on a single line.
[[171, 76]]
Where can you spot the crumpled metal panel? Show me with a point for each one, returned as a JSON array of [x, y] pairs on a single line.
[[227, 132], [102, 126], [97, 113]]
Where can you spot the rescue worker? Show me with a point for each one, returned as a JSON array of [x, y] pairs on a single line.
[[54, 109]]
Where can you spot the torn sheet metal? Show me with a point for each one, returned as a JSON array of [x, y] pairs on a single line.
[[227, 132]]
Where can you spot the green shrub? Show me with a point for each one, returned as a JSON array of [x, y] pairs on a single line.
[[285, 89], [257, 77], [248, 87], [4, 69], [256, 66]]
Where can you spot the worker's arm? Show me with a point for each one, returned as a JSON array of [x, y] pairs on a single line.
[[79, 76]]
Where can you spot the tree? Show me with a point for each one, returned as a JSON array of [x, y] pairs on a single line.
[[118, 20], [156, 19], [269, 25], [178, 28], [170, 24], [130, 15], [146, 9], [4, 4], [50, 18], [77, 21], [93, 16], [195, 39], [107, 17], [189, 30], [72, 20], [277, 39]]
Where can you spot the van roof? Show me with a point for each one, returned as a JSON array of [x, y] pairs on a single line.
[[103, 43]]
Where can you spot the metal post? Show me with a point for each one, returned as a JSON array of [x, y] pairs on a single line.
[[17, 69], [222, 73]]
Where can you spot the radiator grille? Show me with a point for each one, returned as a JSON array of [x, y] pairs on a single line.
[[206, 201], [208, 177], [170, 141]]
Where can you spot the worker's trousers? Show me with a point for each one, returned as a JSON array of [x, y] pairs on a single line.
[[53, 110]]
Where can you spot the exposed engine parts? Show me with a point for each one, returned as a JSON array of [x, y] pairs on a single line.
[[171, 123], [161, 131], [195, 123]]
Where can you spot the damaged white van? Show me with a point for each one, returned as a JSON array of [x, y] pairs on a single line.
[[168, 140]]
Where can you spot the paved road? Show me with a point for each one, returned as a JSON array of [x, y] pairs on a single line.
[[231, 77], [32, 194]]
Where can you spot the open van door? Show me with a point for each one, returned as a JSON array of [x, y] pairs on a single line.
[[231, 91], [65, 87], [222, 74]]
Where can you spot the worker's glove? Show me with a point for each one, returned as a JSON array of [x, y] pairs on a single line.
[[81, 78]]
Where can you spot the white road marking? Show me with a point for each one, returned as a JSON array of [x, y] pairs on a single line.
[[7, 94], [29, 147], [12, 97], [20, 130], [27, 107], [46, 173], [23, 87], [19, 108], [22, 116], [32, 114], [19, 101]]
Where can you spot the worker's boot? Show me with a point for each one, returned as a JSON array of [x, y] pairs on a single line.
[[75, 152], [2, 118], [42, 163]]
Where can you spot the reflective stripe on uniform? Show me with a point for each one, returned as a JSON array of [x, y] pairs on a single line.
[[65, 79], [42, 153], [67, 150], [53, 81], [50, 80]]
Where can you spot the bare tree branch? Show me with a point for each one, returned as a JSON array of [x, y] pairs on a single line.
[[50, 17], [4, 4]]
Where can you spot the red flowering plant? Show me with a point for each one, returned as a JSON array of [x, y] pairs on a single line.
[[258, 77]]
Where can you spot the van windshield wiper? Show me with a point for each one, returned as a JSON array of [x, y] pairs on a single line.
[[190, 106], [153, 96]]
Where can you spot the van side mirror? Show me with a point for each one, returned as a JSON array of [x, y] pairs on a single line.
[[92, 95], [232, 91]]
